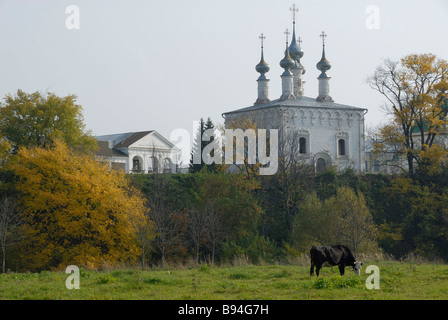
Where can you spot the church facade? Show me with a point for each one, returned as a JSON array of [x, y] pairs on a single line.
[[138, 152], [327, 133]]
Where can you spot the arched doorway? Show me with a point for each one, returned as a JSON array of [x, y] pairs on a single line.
[[322, 161], [137, 164], [320, 165]]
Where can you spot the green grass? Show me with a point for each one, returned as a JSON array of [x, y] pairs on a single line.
[[284, 282]]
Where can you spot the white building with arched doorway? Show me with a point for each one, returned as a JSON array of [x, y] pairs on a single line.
[[139, 152]]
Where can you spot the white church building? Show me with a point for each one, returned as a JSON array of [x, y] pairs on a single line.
[[138, 152], [331, 134]]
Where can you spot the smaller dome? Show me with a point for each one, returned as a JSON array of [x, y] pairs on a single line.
[[323, 65], [287, 62], [262, 67]]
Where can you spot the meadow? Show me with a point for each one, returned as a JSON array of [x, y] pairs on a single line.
[[398, 281]]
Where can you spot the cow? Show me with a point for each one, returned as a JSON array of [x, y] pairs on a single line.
[[329, 256]]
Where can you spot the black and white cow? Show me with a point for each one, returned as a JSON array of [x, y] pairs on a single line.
[[329, 256]]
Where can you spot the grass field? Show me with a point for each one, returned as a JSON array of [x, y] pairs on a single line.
[[283, 282]]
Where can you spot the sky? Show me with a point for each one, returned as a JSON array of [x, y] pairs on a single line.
[[160, 65]]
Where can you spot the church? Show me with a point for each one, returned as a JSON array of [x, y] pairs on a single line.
[[138, 152], [330, 134]]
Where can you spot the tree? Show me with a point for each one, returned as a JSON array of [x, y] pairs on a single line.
[[169, 219], [214, 227], [199, 145], [33, 120], [292, 172], [75, 210], [196, 229], [5, 148], [416, 91], [243, 125], [343, 218], [9, 222], [145, 237], [354, 224]]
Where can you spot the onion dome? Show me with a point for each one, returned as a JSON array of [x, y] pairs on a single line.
[[323, 65], [295, 50], [262, 67]]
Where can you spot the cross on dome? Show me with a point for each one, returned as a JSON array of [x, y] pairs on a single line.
[[323, 35], [262, 38], [294, 11]]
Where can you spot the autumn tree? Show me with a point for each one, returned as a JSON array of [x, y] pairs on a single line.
[[36, 120], [415, 89], [9, 223], [75, 210]]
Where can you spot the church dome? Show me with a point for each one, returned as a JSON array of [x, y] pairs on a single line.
[[295, 51], [262, 67], [287, 62], [323, 65]]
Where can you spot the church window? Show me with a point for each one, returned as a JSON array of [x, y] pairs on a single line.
[[302, 145], [136, 166], [376, 166], [341, 147]]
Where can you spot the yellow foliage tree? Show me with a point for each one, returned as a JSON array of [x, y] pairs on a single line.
[[76, 210], [416, 90]]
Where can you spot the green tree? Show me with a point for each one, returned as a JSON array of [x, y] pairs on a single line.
[[353, 223], [341, 219], [34, 120], [198, 148]]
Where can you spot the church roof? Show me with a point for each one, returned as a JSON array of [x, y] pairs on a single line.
[[122, 140], [301, 102], [134, 137], [104, 150]]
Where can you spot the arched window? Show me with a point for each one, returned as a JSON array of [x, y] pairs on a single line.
[[136, 164], [302, 145], [341, 147]]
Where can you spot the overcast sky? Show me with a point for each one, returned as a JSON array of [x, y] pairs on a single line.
[[160, 65]]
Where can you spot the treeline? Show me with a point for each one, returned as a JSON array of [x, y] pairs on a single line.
[[216, 217], [60, 206]]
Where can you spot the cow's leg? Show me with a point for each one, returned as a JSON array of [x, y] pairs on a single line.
[[342, 269], [317, 269], [312, 269]]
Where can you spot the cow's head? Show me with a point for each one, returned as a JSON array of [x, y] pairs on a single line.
[[357, 267]]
